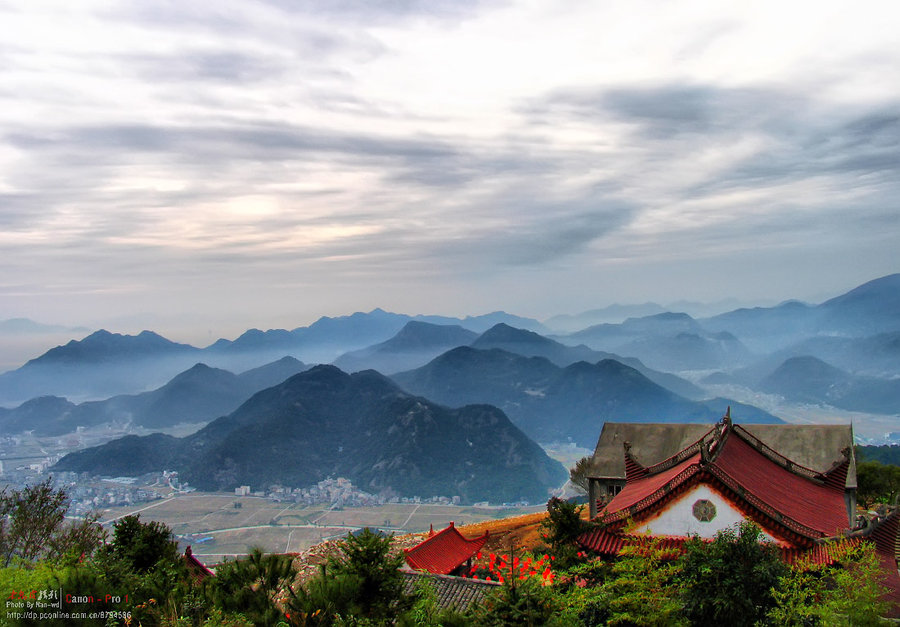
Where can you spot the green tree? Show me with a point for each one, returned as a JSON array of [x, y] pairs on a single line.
[[877, 483], [854, 590], [33, 527], [141, 546], [730, 580], [561, 529], [142, 561], [248, 586], [518, 603], [642, 589], [426, 612], [849, 592], [365, 558]]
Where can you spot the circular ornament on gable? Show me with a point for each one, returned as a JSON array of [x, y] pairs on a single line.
[[704, 510]]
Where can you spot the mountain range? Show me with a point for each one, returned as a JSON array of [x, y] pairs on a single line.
[[104, 364], [197, 395], [808, 379], [324, 422], [111, 377], [552, 403]]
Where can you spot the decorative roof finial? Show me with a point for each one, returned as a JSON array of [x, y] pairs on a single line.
[[626, 445], [726, 419]]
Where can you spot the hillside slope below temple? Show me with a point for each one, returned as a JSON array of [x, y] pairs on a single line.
[[324, 422]]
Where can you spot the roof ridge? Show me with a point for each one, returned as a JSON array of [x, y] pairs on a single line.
[[680, 456], [836, 476], [633, 468]]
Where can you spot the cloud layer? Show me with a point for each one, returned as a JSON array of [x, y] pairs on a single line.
[[277, 159]]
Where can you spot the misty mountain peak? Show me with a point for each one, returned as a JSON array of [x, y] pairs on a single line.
[[504, 333]]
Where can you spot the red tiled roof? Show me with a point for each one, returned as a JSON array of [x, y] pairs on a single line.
[[610, 544], [884, 535], [818, 506], [443, 552], [196, 568], [642, 491]]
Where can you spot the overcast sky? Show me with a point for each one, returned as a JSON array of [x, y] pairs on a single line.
[[243, 163]]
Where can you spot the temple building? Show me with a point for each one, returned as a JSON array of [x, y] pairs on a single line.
[[446, 552], [674, 481]]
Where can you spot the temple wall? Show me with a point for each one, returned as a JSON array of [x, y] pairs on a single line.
[[678, 517]]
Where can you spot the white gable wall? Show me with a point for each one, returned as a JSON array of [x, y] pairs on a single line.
[[677, 517]]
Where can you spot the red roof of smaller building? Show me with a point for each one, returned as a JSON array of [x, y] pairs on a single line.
[[196, 568], [443, 552]]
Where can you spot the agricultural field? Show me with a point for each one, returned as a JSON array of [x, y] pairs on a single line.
[[218, 526]]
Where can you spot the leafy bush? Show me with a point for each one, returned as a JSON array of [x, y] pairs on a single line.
[[362, 583], [248, 586], [730, 580], [561, 529], [847, 593], [518, 603], [877, 483], [641, 591]]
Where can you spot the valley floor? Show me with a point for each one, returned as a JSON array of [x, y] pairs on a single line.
[[218, 525]]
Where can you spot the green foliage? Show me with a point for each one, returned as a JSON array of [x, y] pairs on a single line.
[[583, 606], [854, 594], [425, 611], [730, 580], [642, 590], [140, 546], [515, 603], [849, 593], [877, 483], [361, 583], [322, 601], [797, 600], [248, 586], [39, 576], [886, 454], [32, 527], [592, 573], [366, 559], [561, 528], [142, 561]]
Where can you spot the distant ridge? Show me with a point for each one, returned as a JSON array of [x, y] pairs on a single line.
[[28, 326], [196, 395], [324, 422], [414, 345], [550, 403]]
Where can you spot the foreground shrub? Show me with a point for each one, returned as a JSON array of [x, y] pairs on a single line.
[[730, 580], [518, 602]]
